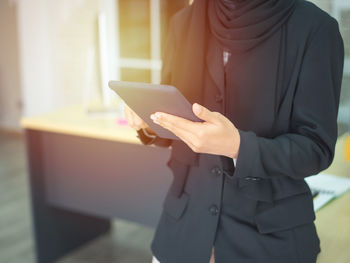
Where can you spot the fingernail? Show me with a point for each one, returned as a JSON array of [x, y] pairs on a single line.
[[197, 108]]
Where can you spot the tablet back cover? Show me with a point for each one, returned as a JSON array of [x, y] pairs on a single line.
[[145, 99]]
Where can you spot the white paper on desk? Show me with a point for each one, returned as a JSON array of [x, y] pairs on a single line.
[[322, 199], [328, 187], [328, 183]]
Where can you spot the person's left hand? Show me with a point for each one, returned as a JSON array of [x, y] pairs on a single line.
[[216, 135]]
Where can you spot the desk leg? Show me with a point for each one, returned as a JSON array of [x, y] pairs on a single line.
[[56, 231]]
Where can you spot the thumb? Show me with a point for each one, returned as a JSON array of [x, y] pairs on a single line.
[[203, 113]]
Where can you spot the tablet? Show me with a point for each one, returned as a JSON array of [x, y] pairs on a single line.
[[145, 99]]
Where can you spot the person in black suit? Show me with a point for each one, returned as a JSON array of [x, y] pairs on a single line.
[[265, 76]]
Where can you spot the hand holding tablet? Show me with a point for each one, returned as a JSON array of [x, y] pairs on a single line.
[[145, 99], [134, 120], [204, 131]]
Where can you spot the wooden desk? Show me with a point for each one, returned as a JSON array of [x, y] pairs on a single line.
[[76, 189], [333, 220], [84, 171]]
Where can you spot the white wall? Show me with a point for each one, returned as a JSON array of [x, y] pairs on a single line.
[[10, 94], [55, 39], [35, 56]]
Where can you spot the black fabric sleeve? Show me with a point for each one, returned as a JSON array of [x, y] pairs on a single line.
[[308, 147], [167, 59], [156, 140]]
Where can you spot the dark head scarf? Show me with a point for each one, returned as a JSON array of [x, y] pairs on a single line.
[[237, 25]]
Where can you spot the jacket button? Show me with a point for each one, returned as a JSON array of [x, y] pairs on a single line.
[[216, 170], [214, 210], [218, 98]]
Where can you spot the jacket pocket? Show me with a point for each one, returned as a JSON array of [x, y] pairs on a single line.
[[286, 213], [174, 205], [284, 187], [272, 189]]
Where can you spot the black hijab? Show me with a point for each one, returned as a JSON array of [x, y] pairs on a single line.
[[237, 25]]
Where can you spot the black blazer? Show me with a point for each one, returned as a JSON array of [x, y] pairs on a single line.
[[288, 137]]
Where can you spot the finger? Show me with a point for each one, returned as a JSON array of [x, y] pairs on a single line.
[[189, 143], [174, 121], [137, 122], [205, 114], [129, 118], [133, 120], [185, 136], [128, 110]]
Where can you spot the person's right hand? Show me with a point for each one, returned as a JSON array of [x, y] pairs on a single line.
[[135, 121]]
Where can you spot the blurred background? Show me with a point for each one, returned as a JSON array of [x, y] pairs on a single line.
[[56, 58]]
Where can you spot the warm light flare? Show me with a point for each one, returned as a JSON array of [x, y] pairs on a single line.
[[347, 149]]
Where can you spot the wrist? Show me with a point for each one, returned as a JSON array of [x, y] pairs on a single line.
[[237, 144], [144, 137], [234, 150], [149, 131]]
